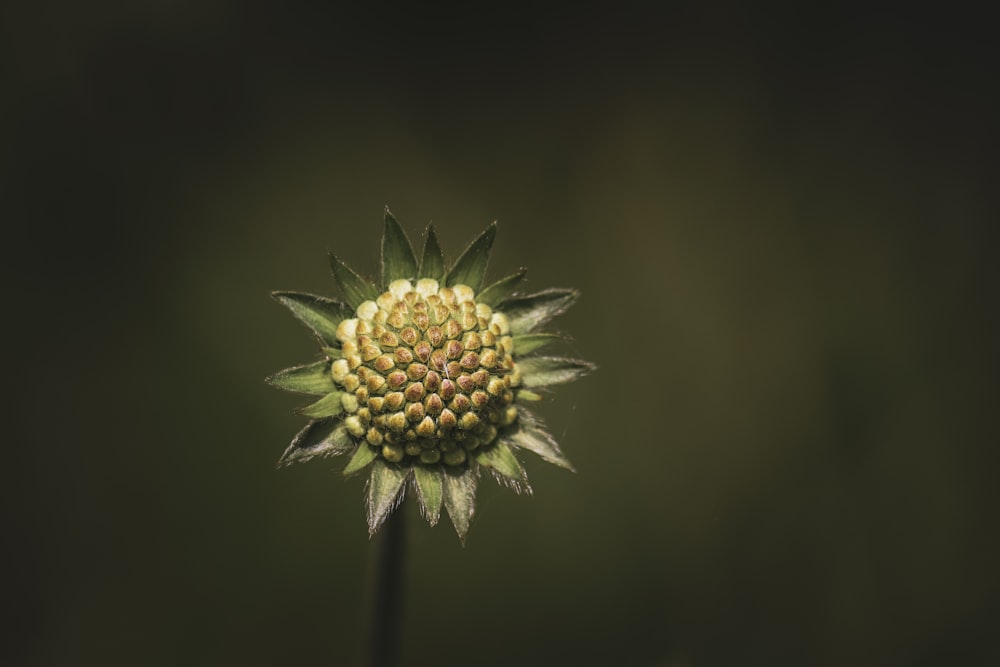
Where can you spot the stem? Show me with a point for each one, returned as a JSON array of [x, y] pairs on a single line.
[[387, 593]]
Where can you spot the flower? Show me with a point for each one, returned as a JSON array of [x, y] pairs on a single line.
[[425, 379]]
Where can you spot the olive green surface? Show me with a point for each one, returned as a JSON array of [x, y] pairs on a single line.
[[783, 231]]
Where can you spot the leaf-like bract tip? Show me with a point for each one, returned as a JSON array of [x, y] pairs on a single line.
[[432, 259], [528, 313], [356, 289], [398, 260], [311, 379], [430, 491], [385, 491], [501, 289], [548, 371], [320, 314], [534, 437], [320, 438], [460, 499], [360, 459], [470, 268]]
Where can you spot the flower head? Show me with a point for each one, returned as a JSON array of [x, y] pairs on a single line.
[[424, 378]]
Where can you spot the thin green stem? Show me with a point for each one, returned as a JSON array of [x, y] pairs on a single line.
[[387, 593]]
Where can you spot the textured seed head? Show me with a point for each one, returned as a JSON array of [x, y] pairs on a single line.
[[420, 379], [424, 367]]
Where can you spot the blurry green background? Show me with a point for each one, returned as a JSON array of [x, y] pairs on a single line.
[[783, 230]]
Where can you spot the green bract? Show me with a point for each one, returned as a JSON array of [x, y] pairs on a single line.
[[425, 376]]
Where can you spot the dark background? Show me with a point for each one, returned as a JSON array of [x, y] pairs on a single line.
[[783, 230]]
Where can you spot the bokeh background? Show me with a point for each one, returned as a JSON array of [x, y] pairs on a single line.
[[782, 224]]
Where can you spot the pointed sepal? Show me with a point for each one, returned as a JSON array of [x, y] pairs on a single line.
[[501, 289], [330, 405], [311, 379], [430, 491], [320, 314], [385, 491], [547, 371], [506, 468], [362, 456], [356, 289], [398, 261], [531, 435], [326, 437], [470, 268], [527, 313], [432, 261], [528, 343], [460, 498]]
